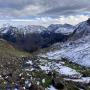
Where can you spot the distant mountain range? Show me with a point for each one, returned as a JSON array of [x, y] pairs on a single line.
[[32, 37]]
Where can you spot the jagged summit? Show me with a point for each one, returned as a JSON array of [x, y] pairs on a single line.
[[88, 21], [23, 29], [65, 29], [34, 36]]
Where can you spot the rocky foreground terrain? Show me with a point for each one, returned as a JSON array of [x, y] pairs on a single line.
[[60, 61]]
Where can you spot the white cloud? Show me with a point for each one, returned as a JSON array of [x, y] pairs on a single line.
[[73, 19], [30, 8], [45, 21]]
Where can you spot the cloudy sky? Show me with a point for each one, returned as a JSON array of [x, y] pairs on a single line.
[[44, 12]]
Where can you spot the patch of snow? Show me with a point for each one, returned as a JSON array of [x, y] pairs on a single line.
[[51, 88], [78, 52], [71, 73], [45, 68], [28, 69], [60, 68], [29, 62], [85, 80]]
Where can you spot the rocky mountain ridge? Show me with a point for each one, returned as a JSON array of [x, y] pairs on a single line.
[[33, 37]]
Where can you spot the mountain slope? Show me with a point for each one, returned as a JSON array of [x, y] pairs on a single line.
[[65, 29], [31, 38], [77, 48], [81, 30], [7, 50]]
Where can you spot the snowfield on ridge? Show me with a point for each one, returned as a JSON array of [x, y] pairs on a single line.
[[77, 52]]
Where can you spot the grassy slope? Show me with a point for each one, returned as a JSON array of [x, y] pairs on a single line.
[[7, 50]]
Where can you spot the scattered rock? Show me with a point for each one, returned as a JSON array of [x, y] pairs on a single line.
[[58, 83]]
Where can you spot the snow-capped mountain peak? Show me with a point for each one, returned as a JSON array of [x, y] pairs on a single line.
[[61, 28]]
